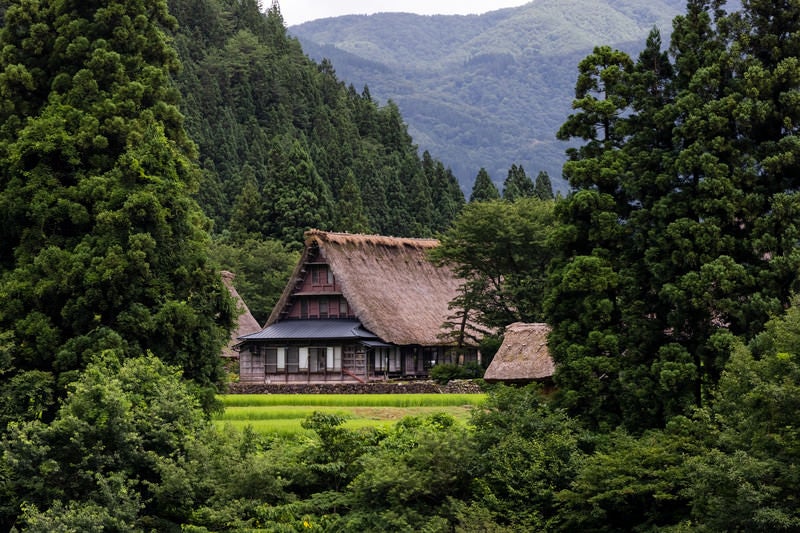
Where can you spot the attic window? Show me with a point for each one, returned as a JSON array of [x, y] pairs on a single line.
[[321, 275]]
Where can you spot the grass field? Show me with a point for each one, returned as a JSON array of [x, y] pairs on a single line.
[[284, 413]]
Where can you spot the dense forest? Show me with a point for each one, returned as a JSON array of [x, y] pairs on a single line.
[[284, 146], [485, 90], [668, 274]]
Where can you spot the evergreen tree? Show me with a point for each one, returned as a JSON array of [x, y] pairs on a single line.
[[517, 184], [483, 189], [587, 271], [349, 208], [446, 193], [249, 88], [298, 198], [683, 196], [102, 245], [542, 188], [246, 216]]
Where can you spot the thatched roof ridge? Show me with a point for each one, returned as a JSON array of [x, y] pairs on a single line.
[[523, 356], [245, 323], [361, 239], [395, 290]]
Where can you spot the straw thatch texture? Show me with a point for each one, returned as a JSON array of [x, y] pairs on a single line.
[[523, 356], [245, 324], [394, 289]]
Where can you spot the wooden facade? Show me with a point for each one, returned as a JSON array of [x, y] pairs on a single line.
[[358, 308]]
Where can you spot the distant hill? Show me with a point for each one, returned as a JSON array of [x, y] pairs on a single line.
[[483, 90]]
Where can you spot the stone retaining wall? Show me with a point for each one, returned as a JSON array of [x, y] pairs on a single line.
[[407, 387]]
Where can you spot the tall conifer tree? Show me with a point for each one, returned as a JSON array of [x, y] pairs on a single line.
[[517, 184], [542, 187], [102, 246], [484, 189], [681, 213]]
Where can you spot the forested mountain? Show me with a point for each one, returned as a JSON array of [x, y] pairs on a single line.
[[669, 275], [483, 91], [284, 145]]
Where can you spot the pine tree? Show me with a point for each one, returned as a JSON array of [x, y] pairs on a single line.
[[680, 233], [588, 273], [446, 194], [247, 217], [517, 184], [542, 188], [483, 189], [298, 198], [349, 210], [103, 247]]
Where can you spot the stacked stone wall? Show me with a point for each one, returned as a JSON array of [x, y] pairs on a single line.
[[409, 387]]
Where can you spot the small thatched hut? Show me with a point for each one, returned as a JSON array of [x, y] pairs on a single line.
[[245, 323], [523, 356], [357, 308]]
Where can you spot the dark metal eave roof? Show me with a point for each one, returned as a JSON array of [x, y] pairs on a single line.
[[333, 329]]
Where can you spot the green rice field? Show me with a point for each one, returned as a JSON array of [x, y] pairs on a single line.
[[283, 413]]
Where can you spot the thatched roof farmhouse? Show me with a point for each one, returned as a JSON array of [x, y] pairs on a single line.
[[357, 308], [523, 357]]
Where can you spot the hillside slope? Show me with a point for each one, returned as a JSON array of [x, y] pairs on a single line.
[[284, 145], [483, 90]]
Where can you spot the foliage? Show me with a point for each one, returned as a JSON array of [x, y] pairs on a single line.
[[130, 449], [749, 480], [675, 328], [334, 459], [676, 236], [528, 451], [518, 185], [121, 430], [542, 187], [262, 268], [486, 90], [633, 483], [501, 251], [484, 189], [285, 146], [443, 373], [103, 247], [406, 481]]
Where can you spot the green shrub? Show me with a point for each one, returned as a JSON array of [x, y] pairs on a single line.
[[445, 372]]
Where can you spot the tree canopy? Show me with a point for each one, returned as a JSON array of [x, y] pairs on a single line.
[[501, 250], [670, 275], [286, 146], [103, 245], [678, 233]]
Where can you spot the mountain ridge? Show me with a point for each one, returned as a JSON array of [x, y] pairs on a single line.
[[484, 90]]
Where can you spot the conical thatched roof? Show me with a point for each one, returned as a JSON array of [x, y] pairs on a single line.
[[245, 324], [523, 357], [394, 289]]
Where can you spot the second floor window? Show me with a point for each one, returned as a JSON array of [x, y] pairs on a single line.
[[321, 275]]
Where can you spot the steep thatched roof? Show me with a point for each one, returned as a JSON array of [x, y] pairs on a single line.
[[523, 356], [389, 282], [245, 324]]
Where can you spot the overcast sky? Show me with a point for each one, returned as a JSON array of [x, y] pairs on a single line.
[[299, 11]]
